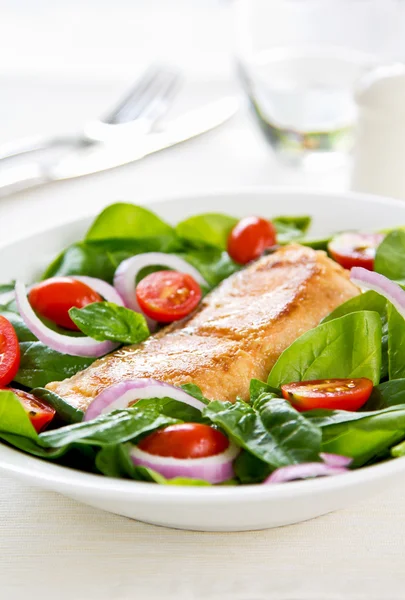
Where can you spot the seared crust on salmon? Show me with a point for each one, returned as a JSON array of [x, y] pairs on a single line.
[[238, 333]]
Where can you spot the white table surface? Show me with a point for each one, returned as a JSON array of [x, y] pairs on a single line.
[[52, 547]]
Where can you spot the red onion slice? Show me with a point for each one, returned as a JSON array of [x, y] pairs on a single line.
[[75, 346], [214, 469], [107, 291], [370, 280], [120, 395], [335, 460], [125, 276], [303, 471]]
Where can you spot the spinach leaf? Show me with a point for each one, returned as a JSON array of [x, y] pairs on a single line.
[[364, 436], [64, 411], [5, 288], [273, 431], [290, 229], [16, 428], [34, 448], [22, 331], [114, 460], [82, 259], [172, 408], [39, 365], [396, 343], [368, 437], [214, 265], [257, 388], [390, 256], [195, 391], [124, 220], [210, 229], [368, 301], [112, 428], [296, 436], [13, 418], [108, 321], [250, 469], [346, 347], [398, 450], [390, 393], [316, 243], [100, 258]]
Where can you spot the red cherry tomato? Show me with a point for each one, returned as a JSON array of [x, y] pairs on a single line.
[[185, 440], [353, 249], [250, 238], [39, 412], [336, 394], [9, 352], [54, 297], [168, 296]]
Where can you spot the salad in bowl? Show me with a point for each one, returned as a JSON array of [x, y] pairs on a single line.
[[220, 351]]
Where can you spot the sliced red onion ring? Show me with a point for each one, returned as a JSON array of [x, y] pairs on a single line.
[[370, 280], [103, 288], [120, 395], [214, 469], [75, 346], [125, 276], [303, 471], [335, 460]]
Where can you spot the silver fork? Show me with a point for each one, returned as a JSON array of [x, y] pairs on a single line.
[[147, 102]]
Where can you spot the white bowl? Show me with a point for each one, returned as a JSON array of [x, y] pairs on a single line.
[[211, 509]]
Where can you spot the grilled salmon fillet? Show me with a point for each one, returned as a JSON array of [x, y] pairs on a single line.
[[238, 333]]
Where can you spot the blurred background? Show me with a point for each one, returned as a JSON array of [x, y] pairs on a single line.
[[62, 63]]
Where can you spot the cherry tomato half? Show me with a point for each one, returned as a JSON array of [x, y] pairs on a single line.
[[54, 297], [336, 394], [9, 352], [185, 440], [39, 412], [353, 249], [168, 296], [250, 238]]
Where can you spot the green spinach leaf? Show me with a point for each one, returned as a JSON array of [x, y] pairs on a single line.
[[364, 436], [195, 391], [108, 321], [112, 428], [64, 411], [13, 418], [346, 347], [257, 388], [368, 301], [100, 258], [22, 331], [39, 365], [124, 220], [291, 229], [210, 229], [214, 265], [273, 431], [390, 256], [250, 469], [172, 408], [396, 343]]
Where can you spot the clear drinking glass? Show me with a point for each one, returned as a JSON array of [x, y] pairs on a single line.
[[299, 61]]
